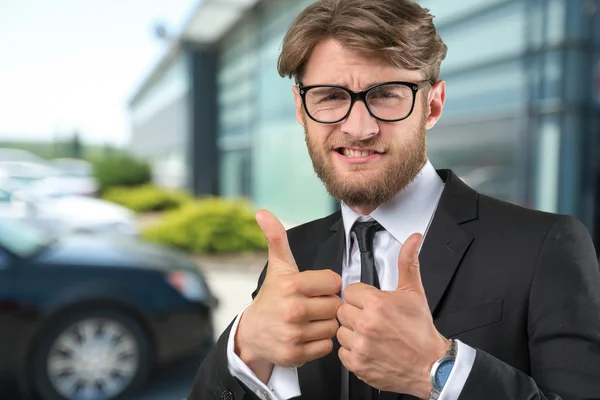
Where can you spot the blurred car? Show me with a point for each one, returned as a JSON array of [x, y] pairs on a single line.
[[73, 166], [87, 318], [65, 185], [12, 154], [24, 174], [68, 213], [72, 177], [59, 177]]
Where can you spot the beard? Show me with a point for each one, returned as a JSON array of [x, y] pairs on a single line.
[[363, 185]]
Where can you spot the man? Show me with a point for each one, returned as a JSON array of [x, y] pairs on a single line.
[[496, 302]]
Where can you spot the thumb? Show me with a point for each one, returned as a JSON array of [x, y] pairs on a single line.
[[409, 270], [281, 259]]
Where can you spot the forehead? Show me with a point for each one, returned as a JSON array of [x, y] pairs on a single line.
[[330, 63]]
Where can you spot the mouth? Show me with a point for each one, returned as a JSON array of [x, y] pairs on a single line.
[[350, 152], [351, 155]]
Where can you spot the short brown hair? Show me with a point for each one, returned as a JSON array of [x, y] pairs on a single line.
[[399, 32]]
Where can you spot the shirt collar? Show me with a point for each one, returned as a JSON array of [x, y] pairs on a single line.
[[410, 211]]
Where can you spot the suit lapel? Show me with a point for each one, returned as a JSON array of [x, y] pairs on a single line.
[[443, 249], [447, 241], [327, 369]]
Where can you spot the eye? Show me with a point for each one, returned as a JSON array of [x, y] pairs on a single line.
[[384, 94], [325, 95], [333, 96]]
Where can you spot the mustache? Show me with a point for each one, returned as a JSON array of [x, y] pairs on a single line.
[[373, 143]]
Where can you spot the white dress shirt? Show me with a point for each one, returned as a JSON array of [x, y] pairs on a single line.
[[410, 211]]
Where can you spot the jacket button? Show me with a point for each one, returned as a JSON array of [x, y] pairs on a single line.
[[227, 395]]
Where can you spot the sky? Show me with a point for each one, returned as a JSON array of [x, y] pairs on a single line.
[[73, 65]]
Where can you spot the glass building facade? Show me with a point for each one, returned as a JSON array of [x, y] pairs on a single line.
[[160, 125], [521, 121], [518, 122], [263, 154]]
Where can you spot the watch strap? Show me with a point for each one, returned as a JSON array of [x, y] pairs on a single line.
[[449, 356]]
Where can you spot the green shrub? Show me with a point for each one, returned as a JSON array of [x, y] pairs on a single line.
[[209, 226], [121, 170], [147, 198]]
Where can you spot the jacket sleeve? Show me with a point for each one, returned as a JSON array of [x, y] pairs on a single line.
[[213, 379], [563, 327]]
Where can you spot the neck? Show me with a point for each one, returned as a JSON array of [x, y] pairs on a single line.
[[363, 210]]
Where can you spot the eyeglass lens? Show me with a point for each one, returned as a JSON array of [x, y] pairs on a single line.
[[388, 102]]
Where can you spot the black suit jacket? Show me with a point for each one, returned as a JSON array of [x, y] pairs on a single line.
[[520, 286]]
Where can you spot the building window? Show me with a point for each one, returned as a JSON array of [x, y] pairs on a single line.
[[499, 34], [446, 11], [485, 154]]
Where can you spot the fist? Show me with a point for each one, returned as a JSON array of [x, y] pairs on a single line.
[[292, 319], [388, 338]]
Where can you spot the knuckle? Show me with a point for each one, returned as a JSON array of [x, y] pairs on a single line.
[[338, 335], [375, 302], [337, 301], [295, 311], [292, 335], [341, 311], [352, 363], [361, 347], [290, 286], [333, 328], [327, 347], [364, 327], [275, 241], [335, 278], [291, 355]]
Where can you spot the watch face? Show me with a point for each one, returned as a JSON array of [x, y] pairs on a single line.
[[443, 373]]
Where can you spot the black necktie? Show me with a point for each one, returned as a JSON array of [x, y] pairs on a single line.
[[365, 233]]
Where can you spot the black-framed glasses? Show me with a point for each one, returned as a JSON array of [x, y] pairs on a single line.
[[388, 102]]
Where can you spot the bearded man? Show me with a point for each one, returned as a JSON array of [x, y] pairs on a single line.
[[419, 287]]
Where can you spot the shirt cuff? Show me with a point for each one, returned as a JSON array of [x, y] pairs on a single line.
[[283, 384], [465, 358]]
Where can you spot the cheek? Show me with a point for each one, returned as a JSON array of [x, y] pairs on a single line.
[[320, 136], [392, 135], [401, 133]]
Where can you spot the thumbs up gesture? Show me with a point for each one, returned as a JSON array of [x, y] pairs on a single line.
[[292, 318], [388, 338]]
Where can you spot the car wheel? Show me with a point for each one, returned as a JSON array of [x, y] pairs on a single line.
[[93, 355]]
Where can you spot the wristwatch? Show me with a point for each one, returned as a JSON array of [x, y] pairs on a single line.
[[440, 371]]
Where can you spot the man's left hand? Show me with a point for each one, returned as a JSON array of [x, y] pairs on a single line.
[[388, 338]]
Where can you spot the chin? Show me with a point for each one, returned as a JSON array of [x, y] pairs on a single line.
[[359, 173], [356, 184]]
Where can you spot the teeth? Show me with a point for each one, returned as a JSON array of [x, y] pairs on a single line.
[[356, 153]]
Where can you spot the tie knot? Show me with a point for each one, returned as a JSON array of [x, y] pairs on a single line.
[[365, 233]]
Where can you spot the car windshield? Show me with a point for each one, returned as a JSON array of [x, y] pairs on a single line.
[[23, 239]]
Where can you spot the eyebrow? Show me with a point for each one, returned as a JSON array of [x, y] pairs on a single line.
[[368, 85]]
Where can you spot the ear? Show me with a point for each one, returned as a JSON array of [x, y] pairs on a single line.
[[299, 106], [435, 103]]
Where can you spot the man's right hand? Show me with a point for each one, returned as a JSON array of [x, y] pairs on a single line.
[[292, 319]]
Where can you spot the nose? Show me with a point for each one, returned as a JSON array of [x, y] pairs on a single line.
[[360, 124]]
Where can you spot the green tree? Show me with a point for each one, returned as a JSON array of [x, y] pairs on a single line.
[[121, 170]]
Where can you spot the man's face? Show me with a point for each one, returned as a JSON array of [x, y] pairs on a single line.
[[361, 160]]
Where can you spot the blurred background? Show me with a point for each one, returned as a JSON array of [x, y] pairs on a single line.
[[137, 138]]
